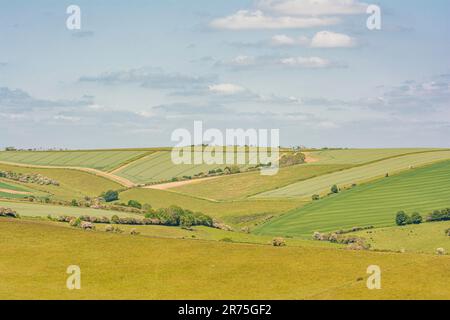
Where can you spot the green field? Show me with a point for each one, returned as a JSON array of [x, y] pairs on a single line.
[[244, 212], [423, 238], [360, 156], [247, 184], [321, 185], [158, 167], [377, 203], [100, 160], [35, 256], [74, 184], [43, 210]]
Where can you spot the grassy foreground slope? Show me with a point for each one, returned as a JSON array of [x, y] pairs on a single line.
[[134, 267], [422, 190], [322, 184], [100, 160], [425, 238], [233, 212], [74, 184], [360, 156], [247, 184]]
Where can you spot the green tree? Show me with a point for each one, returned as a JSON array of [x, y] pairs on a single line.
[[402, 219], [334, 189], [110, 196], [416, 218]]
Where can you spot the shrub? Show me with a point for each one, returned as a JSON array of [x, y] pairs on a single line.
[[134, 204], [134, 232], [402, 219], [278, 242], [87, 225], [334, 189], [115, 219], [74, 203], [315, 197], [416, 218], [110, 196], [75, 222], [8, 213]]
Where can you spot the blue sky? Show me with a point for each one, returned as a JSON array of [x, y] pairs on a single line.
[[137, 70]]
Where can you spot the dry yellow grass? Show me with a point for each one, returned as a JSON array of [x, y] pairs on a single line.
[[34, 257]]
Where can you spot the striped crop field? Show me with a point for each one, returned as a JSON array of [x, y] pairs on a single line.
[[360, 156], [374, 204], [159, 167], [100, 160], [345, 178]]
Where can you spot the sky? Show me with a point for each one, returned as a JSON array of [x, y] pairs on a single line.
[[138, 70]]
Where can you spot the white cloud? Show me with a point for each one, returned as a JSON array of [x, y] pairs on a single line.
[[306, 62], [253, 20], [226, 88], [328, 39], [242, 61], [313, 7], [282, 40]]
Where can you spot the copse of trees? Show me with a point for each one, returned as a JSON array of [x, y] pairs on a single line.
[[173, 216], [176, 216], [403, 219]]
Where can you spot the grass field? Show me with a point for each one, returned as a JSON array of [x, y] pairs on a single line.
[[360, 156], [424, 238], [247, 184], [158, 167], [377, 203], [13, 190], [244, 212], [74, 184], [322, 184], [35, 256], [43, 210], [100, 160]]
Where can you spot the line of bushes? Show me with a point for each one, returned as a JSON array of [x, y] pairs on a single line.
[[403, 219], [172, 216]]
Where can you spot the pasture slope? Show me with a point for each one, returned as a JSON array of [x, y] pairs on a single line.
[[244, 185], [74, 184], [244, 212], [422, 238], [321, 185], [136, 267], [373, 204], [43, 210]]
